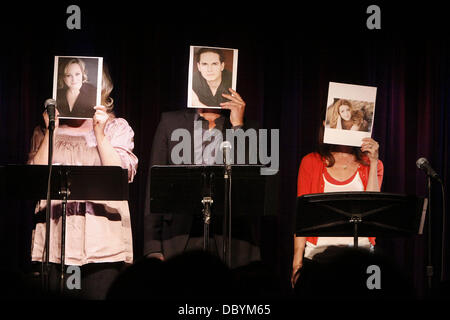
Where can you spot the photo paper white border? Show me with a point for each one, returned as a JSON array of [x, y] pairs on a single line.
[[99, 79], [191, 69], [348, 92]]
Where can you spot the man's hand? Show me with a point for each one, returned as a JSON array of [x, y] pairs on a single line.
[[237, 107]]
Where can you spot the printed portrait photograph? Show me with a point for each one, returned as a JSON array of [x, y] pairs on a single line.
[[349, 114], [77, 86], [212, 72]]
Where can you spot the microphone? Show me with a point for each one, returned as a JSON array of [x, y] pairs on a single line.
[[423, 164], [226, 148], [50, 105]]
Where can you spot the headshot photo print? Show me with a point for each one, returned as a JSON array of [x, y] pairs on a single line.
[[345, 114], [212, 72], [77, 86], [350, 114]]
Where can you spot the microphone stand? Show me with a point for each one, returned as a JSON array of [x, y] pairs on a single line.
[[226, 245], [443, 242], [64, 192], [429, 267], [228, 206], [207, 202], [45, 271]]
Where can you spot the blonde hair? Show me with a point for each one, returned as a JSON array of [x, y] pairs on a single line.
[[334, 117], [107, 87]]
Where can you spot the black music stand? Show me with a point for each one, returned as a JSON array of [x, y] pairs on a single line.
[[191, 189], [29, 182], [369, 214]]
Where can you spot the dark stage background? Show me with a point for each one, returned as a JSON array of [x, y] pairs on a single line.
[[287, 56]]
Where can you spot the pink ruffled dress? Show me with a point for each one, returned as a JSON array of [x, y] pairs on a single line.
[[96, 231]]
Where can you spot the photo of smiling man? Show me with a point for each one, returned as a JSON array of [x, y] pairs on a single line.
[[212, 73]]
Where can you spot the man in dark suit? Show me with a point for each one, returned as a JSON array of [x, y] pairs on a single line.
[[166, 235]]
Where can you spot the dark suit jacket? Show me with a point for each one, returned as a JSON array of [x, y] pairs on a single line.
[[84, 105], [169, 233]]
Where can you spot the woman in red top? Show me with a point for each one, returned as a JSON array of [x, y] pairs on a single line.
[[335, 168]]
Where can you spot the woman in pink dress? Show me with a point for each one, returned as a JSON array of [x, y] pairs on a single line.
[[98, 233]]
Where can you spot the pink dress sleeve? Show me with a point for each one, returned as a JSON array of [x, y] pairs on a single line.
[[121, 137], [36, 141]]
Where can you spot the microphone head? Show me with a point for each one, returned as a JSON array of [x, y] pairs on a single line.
[[49, 102], [225, 145], [421, 162]]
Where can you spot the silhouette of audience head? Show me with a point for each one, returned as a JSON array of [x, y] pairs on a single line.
[[255, 279], [196, 274], [192, 274], [346, 272], [141, 280]]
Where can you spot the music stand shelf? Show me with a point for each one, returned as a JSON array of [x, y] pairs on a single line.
[[185, 189], [355, 214], [29, 182]]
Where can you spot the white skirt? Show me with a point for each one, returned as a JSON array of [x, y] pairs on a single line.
[[324, 242]]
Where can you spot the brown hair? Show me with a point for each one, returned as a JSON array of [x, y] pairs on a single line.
[[213, 50]]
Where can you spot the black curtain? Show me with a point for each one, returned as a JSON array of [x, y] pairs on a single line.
[[287, 56]]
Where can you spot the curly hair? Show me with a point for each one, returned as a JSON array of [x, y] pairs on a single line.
[[334, 117], [107, 87]]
